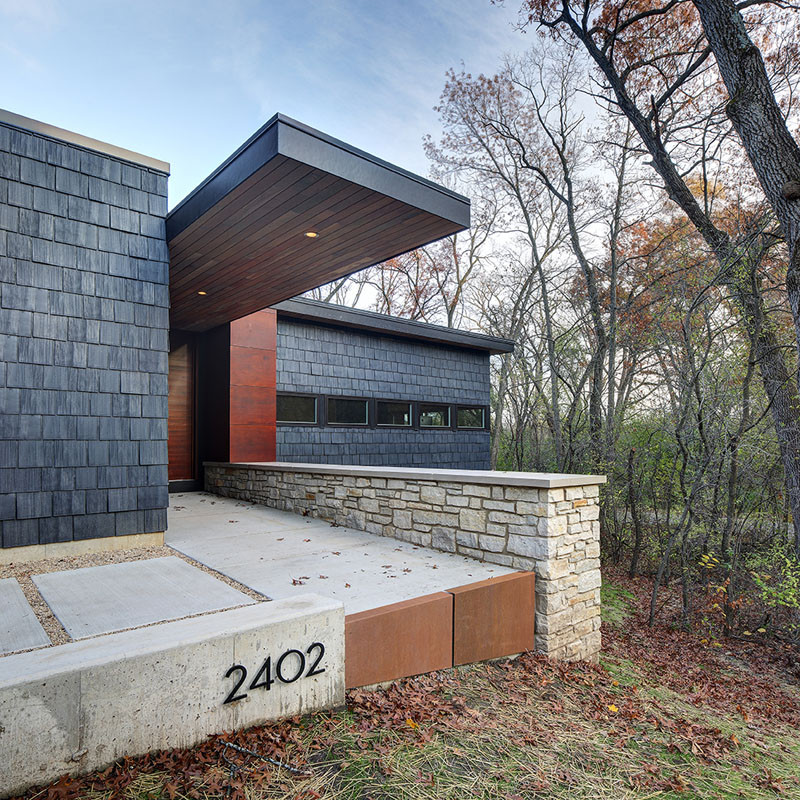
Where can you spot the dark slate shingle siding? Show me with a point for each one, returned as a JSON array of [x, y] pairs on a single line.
[[83, 343], [320, 359]]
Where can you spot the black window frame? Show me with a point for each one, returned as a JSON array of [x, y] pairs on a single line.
[[366, 400], [317, 411], [484, 409], [411, 413], [448, 426]]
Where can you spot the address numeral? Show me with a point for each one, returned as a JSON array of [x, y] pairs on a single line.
[[285, 670]]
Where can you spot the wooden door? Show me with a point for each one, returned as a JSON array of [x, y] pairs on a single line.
[[181, 427]]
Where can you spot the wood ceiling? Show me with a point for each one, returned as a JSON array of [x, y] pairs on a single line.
[[240, 236]]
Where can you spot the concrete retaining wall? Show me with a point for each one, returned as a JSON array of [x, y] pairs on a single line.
[[547, 524], [80, 706]]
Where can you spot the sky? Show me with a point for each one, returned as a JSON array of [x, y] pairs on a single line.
[[189, 81]]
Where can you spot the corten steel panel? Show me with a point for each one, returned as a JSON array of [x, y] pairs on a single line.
[[493, 618], [256, 330], [252, 366], [252, 387], [252, 443], [181, 408], [252, 404], [398, 640], [240, 236]]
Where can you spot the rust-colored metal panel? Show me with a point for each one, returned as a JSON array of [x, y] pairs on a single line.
[[252, 399], [407, 638], [252, 366], [252, 405], [252, 443], [493, 618], [257, 330]]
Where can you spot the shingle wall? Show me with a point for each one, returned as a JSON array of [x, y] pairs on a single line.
[[83, 343], [323, 359]]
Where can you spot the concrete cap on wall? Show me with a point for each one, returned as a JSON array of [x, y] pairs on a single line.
[[541, 480]]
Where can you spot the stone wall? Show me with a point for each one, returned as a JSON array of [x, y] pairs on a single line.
[[544, 523], [83, 343], [326, 360]]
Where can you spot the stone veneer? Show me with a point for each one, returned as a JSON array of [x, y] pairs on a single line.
[[540, 522]]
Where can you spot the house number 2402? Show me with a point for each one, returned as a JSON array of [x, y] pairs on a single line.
[[289, 667]]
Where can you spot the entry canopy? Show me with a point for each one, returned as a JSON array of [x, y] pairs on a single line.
[[292, 209]]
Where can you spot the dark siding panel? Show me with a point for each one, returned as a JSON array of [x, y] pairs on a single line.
[[322, 359], [83, 298]]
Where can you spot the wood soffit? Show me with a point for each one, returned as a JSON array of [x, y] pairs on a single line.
[[240, 236]]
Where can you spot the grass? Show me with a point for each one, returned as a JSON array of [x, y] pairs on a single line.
[[626, 728]]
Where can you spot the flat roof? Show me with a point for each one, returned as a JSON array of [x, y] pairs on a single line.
[[77, 139], [238, 241], [332, 314]]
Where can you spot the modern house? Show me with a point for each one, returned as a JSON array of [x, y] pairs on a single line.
[[346, 452], [136, 347]]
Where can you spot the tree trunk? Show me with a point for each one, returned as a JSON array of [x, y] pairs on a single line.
[[775, 157], [633, 496]]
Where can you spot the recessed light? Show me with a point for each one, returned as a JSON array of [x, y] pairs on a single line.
[[203, 293], [312, 234]]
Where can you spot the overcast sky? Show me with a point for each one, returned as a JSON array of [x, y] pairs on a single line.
[[188, 81]]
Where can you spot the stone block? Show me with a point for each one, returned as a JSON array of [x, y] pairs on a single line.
[[529, 546], [491, 544], [472, 520], [443, 539], [432, 494], [589, 580]]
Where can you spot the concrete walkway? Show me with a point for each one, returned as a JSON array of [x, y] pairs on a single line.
[[283, 555], [94, 600], [19, 627]]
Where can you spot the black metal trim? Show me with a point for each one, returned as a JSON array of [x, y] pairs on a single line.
[[282, 135], [308, 310], [362, 426], [316, 398], [484, 408], [185, 486]]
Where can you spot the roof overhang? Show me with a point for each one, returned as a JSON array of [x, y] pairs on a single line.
[[240, 236], [307, 310]]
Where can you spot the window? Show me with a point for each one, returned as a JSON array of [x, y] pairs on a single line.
[[471, 417], [434, 416], [344, 411], [297, 408], [392, 413]]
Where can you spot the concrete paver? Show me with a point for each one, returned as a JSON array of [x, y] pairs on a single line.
[[95, 600], [19, 628], [282, 555]]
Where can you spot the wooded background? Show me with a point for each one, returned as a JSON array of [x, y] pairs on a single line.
[[635, 186]]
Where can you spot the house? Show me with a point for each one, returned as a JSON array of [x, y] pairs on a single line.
[[136, 345], [143, 351], [355, 387]]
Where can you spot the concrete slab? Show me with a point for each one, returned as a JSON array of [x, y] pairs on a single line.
[[283, 555], [19, 628], [82, 705], [96, 600]]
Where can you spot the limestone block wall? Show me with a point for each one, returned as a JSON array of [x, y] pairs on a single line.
[[544, 523]]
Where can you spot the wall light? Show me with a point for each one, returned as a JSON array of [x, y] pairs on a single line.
[[311, 234], [203, 293]]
